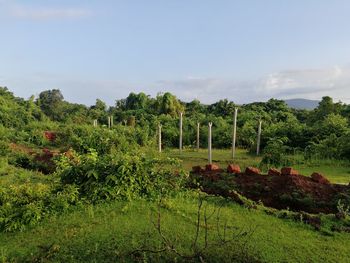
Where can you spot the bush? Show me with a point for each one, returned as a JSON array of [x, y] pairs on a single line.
[[27, 204], [84, 138], [275, 153], [119, 176]]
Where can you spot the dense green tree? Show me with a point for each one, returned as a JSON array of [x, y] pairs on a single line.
[[51, 103], [99, 112], [137, 101], [17, 112], [222, 108], [167, 103], [333, 124]]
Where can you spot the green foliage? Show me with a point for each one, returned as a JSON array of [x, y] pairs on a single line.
[[27, 204], [51, 103], [16, 112], [275, 153], [140, 111], [83, 138], [115, 176], [137, 101], [167, 103]]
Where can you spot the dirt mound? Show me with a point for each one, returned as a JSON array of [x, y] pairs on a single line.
[[233, 169], [281, 190], [50, 135]]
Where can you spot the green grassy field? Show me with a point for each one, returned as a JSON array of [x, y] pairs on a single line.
[[110, 232], [335, 171]]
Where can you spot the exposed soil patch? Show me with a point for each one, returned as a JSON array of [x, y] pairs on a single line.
[[281, 190], [50, 135], [36, 159]]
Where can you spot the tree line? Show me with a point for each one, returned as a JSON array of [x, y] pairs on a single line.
[[322, 132]]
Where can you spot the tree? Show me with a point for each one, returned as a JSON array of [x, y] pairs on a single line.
[[51, 103], [99, 111], [222, 108], [100, 105], [136, 101], [169, 104], [333, 124], [325, 107]]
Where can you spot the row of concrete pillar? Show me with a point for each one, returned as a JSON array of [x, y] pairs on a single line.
[[234, 136]]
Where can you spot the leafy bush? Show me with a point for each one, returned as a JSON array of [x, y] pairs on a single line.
[[21, 159], [83, 138], [27, 204], [275, 153], [114, 176], [4, 148]]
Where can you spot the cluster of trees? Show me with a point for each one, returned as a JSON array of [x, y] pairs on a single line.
[[322, 132]]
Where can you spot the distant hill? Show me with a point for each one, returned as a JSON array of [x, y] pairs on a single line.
[[302, 104]]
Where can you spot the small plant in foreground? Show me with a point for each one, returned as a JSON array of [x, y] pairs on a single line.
[[198, 251]]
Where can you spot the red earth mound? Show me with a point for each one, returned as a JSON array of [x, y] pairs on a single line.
[[49, 135], [281, 190]]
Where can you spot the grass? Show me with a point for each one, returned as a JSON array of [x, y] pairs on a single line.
[[109, 232], [10, 174], [335, 171]]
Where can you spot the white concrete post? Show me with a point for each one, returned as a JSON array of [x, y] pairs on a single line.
[[109, 122], [180, 140], [198, 126], [160, 138], [209, 143], [234, 133], [258, 139]]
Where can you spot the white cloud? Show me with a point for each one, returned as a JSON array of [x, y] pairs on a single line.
[[309, 84], [312, 84], [208, 90], [49, 13], [20, 11]]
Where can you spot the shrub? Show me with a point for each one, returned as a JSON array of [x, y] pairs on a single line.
[[27, 204], [114, 176], [275, 153], [84, 138]]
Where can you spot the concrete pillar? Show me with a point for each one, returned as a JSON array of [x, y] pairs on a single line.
[[180, 139], [258, 139], [198, 126], [209, 143], [160, 138], [109, 122], [234, 133]]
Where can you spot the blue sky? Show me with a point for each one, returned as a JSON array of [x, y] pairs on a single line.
[[197, 49]]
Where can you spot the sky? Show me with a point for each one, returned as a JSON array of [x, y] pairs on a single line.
[[242, 50]]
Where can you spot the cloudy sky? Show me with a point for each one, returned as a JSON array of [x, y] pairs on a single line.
[[197, 49]]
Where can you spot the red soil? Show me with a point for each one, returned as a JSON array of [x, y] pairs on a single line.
[[293, 191], [42, 158], [49, 135]]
